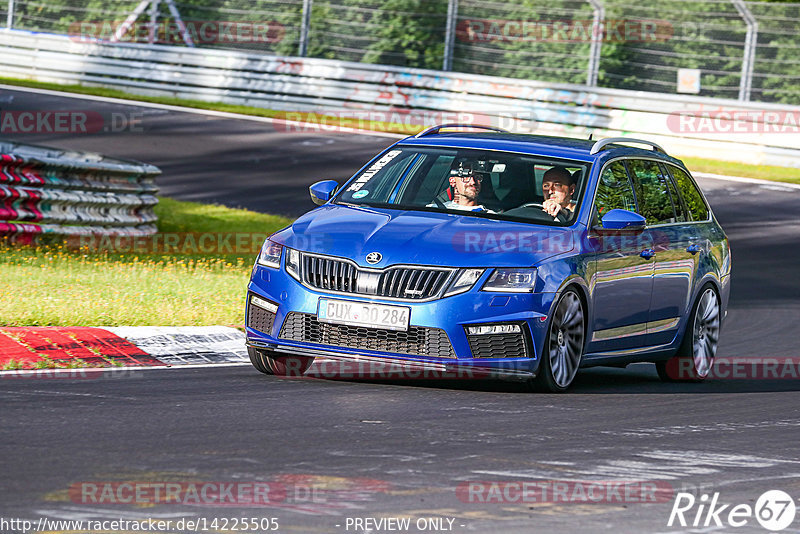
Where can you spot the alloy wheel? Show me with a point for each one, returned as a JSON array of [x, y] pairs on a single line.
[[705, 333], [566, 339]]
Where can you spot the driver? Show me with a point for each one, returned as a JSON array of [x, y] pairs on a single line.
[[466, 184], [558, 186]]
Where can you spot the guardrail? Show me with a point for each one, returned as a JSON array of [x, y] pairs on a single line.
[[54, 192], [693, 126]]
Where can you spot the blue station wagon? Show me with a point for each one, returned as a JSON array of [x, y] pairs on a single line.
[[474, 250]]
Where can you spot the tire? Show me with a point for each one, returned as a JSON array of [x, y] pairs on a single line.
[[563, 347], [695, 356], [258, 360], [271, 364]]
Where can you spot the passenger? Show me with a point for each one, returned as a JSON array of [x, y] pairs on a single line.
[[466, 184], [558, 186]]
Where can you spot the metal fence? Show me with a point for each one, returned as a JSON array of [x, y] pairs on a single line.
[[338, 92], [744, 50]]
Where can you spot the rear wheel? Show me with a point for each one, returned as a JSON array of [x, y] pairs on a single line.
[[695, 357], [270, 363], [563, 348]]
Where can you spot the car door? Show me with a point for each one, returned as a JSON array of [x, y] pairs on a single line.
[[674, 263], [622, 280]]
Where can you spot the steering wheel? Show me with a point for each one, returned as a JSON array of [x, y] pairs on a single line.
[[561, 216], [439, 203]]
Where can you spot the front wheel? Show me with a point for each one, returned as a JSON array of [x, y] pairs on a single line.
[[563, 348], [258, 360], [695, 357], [270, 363]]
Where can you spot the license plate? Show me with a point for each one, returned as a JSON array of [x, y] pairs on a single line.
[[363, 314]]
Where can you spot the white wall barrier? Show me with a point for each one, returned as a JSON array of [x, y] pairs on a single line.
[[755, 133], [54, 192]]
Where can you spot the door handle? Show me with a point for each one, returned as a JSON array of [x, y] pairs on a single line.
[[694, 249], [647, 253]]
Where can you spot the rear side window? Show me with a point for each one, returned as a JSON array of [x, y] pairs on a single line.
[[680, 216], [698, 211], [614, 190], [655, 204]]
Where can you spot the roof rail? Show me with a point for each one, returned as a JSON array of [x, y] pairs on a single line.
[[435, 129], [602, 143]]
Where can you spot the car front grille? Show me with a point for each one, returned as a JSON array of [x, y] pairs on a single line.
[[330, 274], [499, 345], [417, 340], [407, 283], [260, 319]]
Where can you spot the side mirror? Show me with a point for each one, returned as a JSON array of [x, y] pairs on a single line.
[[622, 220], [321, 192]]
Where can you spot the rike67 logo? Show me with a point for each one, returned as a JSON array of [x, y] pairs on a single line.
[[774, 510]]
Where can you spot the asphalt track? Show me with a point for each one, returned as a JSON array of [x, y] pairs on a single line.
[[346, 449]]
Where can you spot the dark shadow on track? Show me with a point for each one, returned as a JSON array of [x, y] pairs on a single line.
[[637, 379]]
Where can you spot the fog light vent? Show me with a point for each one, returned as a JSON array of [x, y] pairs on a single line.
[[507, 340]]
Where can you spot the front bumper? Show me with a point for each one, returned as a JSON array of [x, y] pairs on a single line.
[[448, 315]]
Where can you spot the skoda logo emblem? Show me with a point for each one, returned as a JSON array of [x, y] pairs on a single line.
[[374, 257]]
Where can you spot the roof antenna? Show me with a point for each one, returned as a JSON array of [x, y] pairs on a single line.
[[590, 136]]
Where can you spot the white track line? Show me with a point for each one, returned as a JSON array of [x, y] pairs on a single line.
[[742, 179], [310, 125], [196, 111]]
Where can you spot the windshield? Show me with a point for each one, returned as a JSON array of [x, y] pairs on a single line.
[[481, 183]]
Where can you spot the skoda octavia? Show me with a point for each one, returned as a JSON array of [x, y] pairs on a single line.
[[497, 254]]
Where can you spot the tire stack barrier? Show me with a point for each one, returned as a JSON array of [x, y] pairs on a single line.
[[46, 191]]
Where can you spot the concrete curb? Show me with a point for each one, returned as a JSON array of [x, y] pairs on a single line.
[[121, 347]]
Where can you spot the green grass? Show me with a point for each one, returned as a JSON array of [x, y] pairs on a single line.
[[728, 168], [59, 285], [179, 216], [764, 172]]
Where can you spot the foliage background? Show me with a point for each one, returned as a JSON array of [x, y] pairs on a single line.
[[704, 34]]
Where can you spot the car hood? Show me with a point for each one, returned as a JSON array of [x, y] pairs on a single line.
[[423, 238]]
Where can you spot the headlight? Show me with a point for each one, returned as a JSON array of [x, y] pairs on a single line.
[[464, 281], [270, 255], [293, 263], [511, 281]]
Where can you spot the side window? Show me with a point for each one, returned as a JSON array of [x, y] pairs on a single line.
[[654, 201], [426, 180], [680, 216], [614, 190], [698, 211]]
